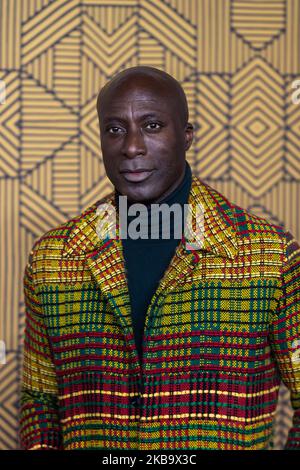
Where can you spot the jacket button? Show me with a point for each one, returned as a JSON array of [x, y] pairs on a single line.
[[135, 401]]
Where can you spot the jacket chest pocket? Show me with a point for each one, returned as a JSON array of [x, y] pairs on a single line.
[[82, 328], [75, 308], [228, 305], [213, 324]]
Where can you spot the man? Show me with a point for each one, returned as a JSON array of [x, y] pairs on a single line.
[[155, 343]]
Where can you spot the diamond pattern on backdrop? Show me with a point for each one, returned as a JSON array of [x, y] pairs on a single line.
[[236, 60]]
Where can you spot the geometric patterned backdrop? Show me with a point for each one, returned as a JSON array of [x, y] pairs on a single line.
[[236, 60]]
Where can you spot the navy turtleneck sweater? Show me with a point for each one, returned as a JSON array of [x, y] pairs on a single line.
[[146, 260]]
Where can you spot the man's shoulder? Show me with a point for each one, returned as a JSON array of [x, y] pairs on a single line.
[[55, 238], [253, 221]]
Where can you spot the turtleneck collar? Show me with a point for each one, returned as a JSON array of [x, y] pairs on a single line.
[[178, 196]]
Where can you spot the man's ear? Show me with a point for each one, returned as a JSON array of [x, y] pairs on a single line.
[[189, 135]]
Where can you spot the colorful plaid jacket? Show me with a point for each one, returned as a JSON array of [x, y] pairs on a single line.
[[221, 332]]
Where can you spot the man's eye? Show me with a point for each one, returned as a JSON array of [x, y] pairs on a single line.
[[113, 129], [154, 125]]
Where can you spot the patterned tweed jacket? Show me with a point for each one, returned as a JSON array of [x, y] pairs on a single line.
[[222, 330]]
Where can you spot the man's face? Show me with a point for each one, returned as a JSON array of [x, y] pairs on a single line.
[[143, 140]]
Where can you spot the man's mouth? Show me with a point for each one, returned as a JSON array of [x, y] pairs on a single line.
[[137, 176]]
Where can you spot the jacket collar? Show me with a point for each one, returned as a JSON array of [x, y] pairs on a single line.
[[216, 235], [105, 260]]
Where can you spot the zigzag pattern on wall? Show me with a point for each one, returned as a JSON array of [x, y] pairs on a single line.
[[236, 60]]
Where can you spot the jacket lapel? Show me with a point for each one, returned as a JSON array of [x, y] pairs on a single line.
[[104, 257], [213, 224]]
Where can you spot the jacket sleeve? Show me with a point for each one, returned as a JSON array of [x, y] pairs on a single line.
[[285, 332], [39, 420]]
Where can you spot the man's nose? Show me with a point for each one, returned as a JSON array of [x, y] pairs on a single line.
[[134, 144]]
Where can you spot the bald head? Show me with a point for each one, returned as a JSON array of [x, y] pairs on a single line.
[[144, 76]]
